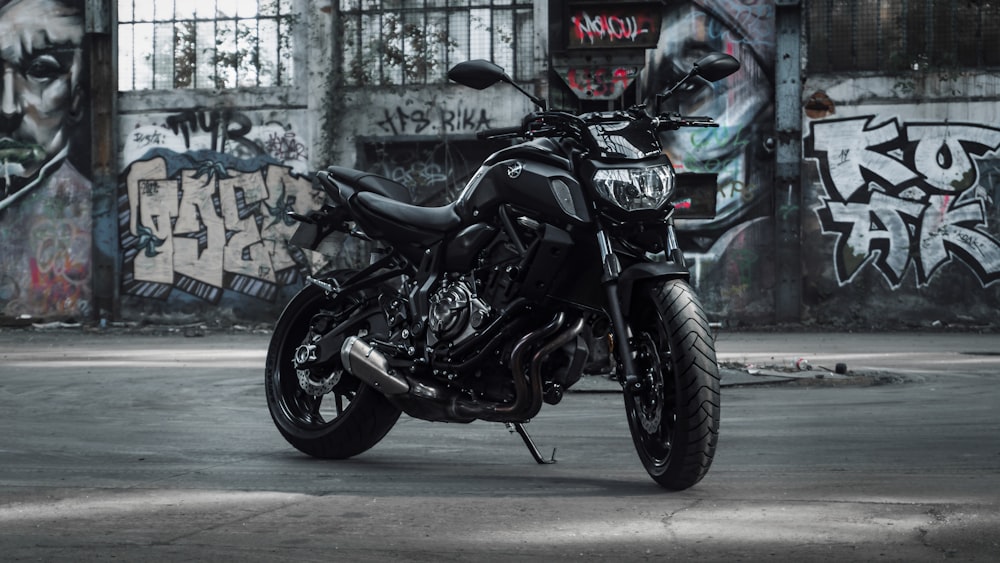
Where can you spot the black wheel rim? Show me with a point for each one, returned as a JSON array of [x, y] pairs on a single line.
[[652, 410], [305, 412]]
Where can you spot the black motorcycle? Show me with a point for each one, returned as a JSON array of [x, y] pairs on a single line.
[[490, 306]]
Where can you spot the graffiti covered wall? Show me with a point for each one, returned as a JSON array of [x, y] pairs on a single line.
[[202, 210], [731, 254], [903, 212], [425, 138], [45, 193]]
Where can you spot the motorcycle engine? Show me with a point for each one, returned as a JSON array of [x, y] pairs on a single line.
[[456, 313]]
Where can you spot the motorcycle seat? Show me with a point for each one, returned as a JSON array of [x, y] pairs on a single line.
[[368, 182], [429, 219]]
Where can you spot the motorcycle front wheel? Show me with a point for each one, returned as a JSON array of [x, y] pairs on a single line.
[[674, 417], [323, 411]]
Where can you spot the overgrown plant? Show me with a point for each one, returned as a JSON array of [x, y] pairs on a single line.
[[244, 51]]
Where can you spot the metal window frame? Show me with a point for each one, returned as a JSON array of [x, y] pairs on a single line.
[[276, 18], [943, 52], [522, 55]]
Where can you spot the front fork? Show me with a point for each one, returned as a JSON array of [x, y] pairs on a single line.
[[612, 271], [609, 278]]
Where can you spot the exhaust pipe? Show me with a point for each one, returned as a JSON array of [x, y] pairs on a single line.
[[372, 367], [527, 384]]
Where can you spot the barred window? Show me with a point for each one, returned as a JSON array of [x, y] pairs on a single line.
[[417, 41], [896, 35], [204, 43]]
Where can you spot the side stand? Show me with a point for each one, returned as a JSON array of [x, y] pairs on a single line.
[[519, 428]]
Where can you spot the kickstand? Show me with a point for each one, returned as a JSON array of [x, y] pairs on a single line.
[[519, 428]]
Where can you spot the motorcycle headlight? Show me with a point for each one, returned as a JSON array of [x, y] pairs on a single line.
[[635, 189]]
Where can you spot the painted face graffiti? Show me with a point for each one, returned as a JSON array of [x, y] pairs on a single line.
[[906, 197], [40, 93], [742, 104]]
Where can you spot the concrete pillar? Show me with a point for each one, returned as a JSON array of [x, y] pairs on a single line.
[[323, 54], [100, 21], [788, 188]]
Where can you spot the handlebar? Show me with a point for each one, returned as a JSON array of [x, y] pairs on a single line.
[[676, 121], [556, 123], [501, 133]]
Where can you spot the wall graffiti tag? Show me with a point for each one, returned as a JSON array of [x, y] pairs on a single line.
[[204, 226], [434, 118], [633, 26], [203, 206], [906, 196], [226, 131], [222, 125]]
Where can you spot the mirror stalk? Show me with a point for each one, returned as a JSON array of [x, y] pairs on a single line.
[[534, 99]]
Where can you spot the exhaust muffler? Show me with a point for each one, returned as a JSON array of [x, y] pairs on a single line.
[[371, 366]]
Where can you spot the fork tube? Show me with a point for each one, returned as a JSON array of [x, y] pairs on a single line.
[[612, 271], [674, 249]]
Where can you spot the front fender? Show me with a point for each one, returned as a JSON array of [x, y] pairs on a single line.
[[641, 271]]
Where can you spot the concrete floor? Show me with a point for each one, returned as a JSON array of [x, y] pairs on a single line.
[[160, 448]]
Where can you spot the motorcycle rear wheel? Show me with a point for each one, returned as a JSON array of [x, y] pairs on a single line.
[[345, 421], [674, 418]]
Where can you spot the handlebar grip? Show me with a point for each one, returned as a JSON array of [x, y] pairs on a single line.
[[676, 121], [699, 121], [501, 132]]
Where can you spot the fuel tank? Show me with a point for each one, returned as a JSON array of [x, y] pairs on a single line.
[[530, 178]]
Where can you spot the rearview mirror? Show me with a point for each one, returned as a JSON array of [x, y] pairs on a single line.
[[716, 66], [478, 74], [712, 67], [481, 74]]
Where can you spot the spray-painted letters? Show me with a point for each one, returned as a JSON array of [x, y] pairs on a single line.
[[434, 119], [905, 195], [613, 28], [203, 208]]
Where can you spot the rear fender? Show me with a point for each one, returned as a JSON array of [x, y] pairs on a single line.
[[315, 227]]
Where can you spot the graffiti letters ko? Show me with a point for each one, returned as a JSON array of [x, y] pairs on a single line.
[[903, 196]]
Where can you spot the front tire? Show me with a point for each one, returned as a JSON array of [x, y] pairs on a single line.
[[330, 413], [674, 418]]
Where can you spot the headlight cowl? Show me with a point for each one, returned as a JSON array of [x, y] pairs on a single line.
[[636, 189]]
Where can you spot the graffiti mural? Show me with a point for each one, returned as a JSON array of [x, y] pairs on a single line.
[[907, 197], [743, 105], [203, 206], [45, 196], [598, 83]]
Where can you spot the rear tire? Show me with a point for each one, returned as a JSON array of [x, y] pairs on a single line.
[[348, 418], [674, 419]]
